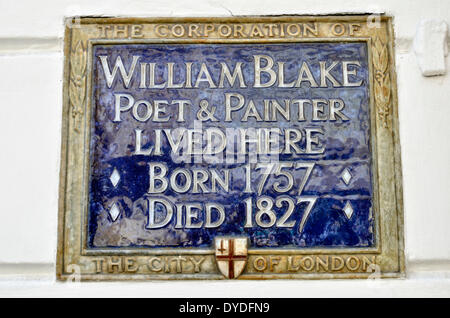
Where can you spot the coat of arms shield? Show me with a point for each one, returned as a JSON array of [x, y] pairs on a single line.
[[231, 255]]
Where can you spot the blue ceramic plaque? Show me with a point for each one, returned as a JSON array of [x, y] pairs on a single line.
[[268, 141], [212, 148]]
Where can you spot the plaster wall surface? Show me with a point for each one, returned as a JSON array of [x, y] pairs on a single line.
[[31, 60]]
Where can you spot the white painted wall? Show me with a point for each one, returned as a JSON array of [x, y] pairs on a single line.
[[31, 62]]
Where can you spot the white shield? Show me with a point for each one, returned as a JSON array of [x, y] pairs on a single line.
[[231, 255]]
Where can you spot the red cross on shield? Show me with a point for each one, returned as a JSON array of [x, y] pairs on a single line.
[[231, 255]]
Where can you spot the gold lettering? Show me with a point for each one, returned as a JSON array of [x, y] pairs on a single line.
[[161, 30], [239, 31], [354, 27], [293, 30], [352, 263], [322, 263], [114, 263], [273, 260], [136, 31], [178, 30], [193, 29], [196, 263], [314, 30], [307, 263], [120, 29], [338, 29], [337, 263], [291, 266], [366, 262], [98, 265], [131, 265], [103, 29], [256, 31], [154, 264], [260, 264], [270, 28], [225, 30]]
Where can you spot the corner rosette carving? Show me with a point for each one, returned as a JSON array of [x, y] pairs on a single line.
[[382, 81], [77, 86]]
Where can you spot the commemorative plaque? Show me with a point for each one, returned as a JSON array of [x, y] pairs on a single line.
[[230, 148]]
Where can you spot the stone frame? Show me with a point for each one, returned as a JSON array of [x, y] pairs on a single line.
[[386, 258]]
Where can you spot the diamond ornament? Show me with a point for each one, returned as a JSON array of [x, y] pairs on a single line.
[[115, 177], [348, 210], [346, 176], [114, 212]]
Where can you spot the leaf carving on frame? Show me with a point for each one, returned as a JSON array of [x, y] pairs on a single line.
[[77, 85], [382, 81]]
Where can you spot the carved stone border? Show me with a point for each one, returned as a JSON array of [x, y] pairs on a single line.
[[386, 260]]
